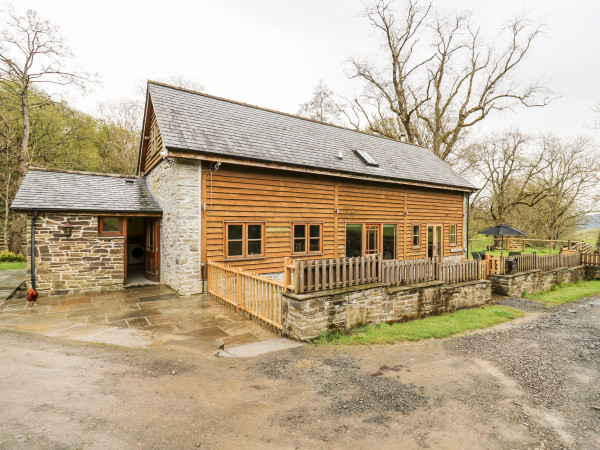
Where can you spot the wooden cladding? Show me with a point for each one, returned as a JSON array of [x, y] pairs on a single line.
[[152, 146], [281, 199]]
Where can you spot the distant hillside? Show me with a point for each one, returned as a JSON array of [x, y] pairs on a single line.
[[592, 221]]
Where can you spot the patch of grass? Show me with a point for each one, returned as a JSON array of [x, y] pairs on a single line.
[[564, 293], [480, 244], [12, 265], [427, 328]]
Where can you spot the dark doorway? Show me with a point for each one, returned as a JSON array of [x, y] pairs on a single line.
[[142, 257]]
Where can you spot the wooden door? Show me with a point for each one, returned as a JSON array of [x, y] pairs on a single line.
[[153, 249], [434, 241]]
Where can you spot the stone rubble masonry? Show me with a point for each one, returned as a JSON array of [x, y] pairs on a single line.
[[306, 316], [535, 281], [176, 185], [82, 262]]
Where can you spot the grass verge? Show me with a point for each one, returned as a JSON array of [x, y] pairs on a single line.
[[12, 265], [564, 293], [416, 330]]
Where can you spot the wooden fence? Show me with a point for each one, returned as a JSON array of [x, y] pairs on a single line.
[[323, 274], [547, 262], [590, 259], [257, 296]]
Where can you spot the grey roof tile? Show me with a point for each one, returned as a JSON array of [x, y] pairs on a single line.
[[202, 123], [48, 190]]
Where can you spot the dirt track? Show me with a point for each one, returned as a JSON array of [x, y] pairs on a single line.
[[529, 384]]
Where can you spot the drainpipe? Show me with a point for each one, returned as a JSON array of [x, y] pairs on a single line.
[[468, 220], [35, 214]]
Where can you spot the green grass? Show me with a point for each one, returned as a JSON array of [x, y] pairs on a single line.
[[564, 293], [480, 244], [12, 265], [427, 328], [589, 236]]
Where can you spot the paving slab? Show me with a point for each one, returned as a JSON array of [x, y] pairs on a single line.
[[259, 348], [136, 317], [10, 280]]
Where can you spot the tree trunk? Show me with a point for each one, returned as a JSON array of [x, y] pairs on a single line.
[[17, 226]]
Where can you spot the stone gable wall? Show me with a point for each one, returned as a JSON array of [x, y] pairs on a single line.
[[306, 316], [176, 185], [82, 262], [535, 281]]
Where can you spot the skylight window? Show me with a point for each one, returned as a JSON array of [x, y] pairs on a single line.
[[366, 158]]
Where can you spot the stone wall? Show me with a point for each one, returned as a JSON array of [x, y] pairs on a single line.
[[82, 262], [176, 185], [306, 316], [535, 281], [592, 273]]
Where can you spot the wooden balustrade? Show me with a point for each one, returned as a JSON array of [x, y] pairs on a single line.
[[255, 295]]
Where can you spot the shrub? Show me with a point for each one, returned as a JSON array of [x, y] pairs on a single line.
[[7, 256]]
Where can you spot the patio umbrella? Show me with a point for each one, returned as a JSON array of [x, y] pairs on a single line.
[[502, 230]]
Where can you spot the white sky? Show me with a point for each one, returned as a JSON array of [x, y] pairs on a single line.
[[271, 53]]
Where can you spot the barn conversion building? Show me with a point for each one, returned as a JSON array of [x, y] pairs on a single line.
[[229, 182]]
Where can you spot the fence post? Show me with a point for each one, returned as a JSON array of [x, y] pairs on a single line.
[[208, 275], [287, 277], [238, 285]]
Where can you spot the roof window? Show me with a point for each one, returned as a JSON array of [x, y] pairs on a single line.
[[366, 158]]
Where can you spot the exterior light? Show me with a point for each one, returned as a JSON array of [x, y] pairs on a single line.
[[67, 228]]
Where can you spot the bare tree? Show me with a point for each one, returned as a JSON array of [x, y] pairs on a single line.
[[570, 180], [32, 51], [121, 120], [322, 106], [439, 77], [512, 173]]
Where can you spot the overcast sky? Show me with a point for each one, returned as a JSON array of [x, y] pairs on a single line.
[[271, 53]]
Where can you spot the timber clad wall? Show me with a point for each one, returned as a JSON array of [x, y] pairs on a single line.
[[152, 144], [280, 198]]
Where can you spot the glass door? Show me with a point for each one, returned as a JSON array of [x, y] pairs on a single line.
[[372, 240], [434, 241]]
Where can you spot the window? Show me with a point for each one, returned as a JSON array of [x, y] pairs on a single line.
[[372, 242], [416, 236], [244, 240], [307, 238], [452, 234], [353, 240], [366, 158], [389, 241], [110, 226]]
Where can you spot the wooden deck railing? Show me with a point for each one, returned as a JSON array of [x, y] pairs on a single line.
[[257, 296], [317, 275], [590, 259], [547, 262]]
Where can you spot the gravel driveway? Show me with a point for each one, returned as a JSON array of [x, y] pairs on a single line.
[[531, 383]]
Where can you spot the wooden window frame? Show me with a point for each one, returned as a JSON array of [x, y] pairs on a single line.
[[101, 231], [244, 255], [307, 238], [379, 225], [453, 244], [412, 235]]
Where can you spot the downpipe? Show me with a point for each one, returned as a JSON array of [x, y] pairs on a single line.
[[32, 295]]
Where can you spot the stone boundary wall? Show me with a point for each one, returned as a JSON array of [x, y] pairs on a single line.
[[535, 281], [306, 316], [79, 263], [592, 272]]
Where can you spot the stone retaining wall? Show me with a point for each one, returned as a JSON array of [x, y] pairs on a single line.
[[306, 316], [592, 272], [535, 281], [82, 262]]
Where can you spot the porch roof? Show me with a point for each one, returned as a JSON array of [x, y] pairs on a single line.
[[69, 191]]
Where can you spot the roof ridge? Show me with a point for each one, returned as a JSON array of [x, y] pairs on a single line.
[[82, 172], [249, 105]]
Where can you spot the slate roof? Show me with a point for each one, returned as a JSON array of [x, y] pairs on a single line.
[[49, 190], [196, 122]]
